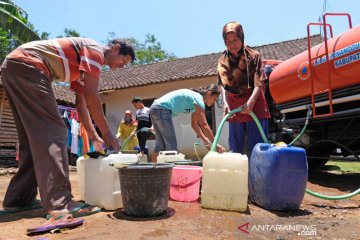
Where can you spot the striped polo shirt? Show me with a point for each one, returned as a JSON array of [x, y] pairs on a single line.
[[63, 59]]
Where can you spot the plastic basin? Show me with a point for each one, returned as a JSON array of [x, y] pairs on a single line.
[[185, 183]]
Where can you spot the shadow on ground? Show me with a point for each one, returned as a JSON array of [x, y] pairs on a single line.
[[120, 214], [12, 217], [347, 182]]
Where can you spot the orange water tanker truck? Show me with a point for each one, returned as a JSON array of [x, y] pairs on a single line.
[[325, 79]]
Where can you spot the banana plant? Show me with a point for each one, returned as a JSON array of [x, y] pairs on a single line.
[[14, 20]]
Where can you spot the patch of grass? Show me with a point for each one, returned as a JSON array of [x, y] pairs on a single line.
[[343, 166]]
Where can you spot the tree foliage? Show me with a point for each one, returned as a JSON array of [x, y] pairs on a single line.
[[14, 20], [149, 51], [14, 28], [69, 33], [8, 42]]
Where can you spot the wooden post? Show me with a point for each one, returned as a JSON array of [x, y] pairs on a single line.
[[2, 104]]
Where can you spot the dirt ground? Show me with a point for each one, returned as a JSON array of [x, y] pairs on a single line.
[[316, 219]]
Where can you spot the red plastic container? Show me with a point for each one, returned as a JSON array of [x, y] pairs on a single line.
[[185, 183]]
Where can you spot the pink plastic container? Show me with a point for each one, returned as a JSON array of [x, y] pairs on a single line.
[[185, 183]]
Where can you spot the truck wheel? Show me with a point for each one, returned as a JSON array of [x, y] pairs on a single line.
[[316, 160], [318, 154]]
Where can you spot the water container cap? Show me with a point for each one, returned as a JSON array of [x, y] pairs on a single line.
[[281, 144]]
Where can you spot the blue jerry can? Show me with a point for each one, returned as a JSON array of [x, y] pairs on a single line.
[[277, 176]]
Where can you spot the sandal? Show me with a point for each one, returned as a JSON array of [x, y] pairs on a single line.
[[76, 212], [65, 221]]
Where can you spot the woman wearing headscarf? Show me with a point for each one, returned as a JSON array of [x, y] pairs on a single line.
[[241, 76], [126, 132]]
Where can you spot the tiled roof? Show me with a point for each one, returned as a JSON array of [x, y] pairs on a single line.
[[193, 67], [183, 68], [63, 94]]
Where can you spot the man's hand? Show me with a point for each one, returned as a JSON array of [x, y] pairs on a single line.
[[98, 144], [110, 141]]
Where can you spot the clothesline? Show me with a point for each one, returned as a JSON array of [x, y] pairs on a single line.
[[67, 108]]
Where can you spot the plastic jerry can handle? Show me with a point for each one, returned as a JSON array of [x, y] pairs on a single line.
[[264, 147], [168, 153]]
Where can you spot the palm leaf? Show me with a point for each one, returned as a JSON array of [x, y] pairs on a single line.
[[10, 22]]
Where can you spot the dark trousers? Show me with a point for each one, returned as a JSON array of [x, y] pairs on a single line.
[[42, 137], [142, 137], [238, 131]]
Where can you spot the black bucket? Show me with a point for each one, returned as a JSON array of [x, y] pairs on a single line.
[[145, 188]]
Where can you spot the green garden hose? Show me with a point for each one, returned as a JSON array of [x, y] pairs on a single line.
[[197, 155], [327, 197], [217, 135], [218, 132], [144, 129], [303, 129]]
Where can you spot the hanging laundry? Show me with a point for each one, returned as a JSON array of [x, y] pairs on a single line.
[[75, 130], [85, 139]]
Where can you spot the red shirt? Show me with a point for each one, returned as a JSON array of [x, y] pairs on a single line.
[[63, 59]]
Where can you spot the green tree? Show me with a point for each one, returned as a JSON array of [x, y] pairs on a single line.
[[148, 51], [69, 33], [45, 35], [6, 44], [14, 28], [14, 20]]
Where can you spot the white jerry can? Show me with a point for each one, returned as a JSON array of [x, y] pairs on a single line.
[[225, 181], [170, 156], [99, 182]]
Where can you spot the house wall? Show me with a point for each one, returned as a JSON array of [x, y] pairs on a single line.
[[120, 100], [8, 132]]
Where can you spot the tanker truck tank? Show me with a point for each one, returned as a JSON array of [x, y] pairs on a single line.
[[290, 80]]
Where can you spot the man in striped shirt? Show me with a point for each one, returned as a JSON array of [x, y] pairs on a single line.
[[27, 74]]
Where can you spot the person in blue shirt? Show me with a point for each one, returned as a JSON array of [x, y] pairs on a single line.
[[178, 102]]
